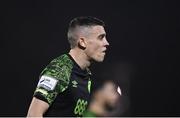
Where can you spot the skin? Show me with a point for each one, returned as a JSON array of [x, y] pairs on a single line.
[[37, 108], [110, 94], [107, 95], [94, 46], [91, 46]]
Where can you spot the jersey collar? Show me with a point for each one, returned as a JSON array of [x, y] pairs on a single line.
[[78, 69]]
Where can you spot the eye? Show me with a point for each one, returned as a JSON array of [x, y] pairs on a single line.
[[100, 37]]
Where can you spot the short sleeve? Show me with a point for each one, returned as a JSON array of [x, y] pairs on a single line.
[[54, 79]]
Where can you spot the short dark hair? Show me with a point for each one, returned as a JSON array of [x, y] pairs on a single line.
[[83, 21]]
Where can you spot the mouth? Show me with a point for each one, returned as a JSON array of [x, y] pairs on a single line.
[[104, 51]]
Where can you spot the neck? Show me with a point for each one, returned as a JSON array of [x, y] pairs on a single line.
[[80, 58]]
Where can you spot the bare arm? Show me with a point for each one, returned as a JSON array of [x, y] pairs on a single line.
[[37, 108]]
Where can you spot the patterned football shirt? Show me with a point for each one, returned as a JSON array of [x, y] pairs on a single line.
[[65, 87]]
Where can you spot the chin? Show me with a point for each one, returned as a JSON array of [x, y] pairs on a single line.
[[99, 60]]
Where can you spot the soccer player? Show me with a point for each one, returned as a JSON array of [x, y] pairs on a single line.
[[104, 102], [64, 85]]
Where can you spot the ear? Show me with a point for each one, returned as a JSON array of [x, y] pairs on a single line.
[[82, 43]]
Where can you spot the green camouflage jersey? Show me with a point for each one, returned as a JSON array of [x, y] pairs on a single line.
[[65, 87]]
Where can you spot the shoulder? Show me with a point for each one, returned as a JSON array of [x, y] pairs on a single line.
[[63, 60], [59, 68]]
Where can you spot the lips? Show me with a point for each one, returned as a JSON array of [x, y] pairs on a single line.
[[104, 51]]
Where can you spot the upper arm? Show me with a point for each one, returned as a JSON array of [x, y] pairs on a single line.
[[37, 108], [54, 79]]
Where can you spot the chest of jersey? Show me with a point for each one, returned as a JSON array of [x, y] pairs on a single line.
[[74, 100], [80, 92]]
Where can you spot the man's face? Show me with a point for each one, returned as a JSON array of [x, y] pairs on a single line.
[[96, 43], [110, 94], [107, 94]]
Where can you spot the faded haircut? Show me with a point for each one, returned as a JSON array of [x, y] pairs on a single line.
[[81, 22]]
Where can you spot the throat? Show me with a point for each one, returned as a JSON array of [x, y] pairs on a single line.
[[80, 58]]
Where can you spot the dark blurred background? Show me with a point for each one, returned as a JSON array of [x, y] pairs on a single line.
[[142, 56]]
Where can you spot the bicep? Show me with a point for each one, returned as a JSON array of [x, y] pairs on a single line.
[[37, 108]]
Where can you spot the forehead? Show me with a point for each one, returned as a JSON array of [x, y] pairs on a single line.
[[108, 84], [98, 30]]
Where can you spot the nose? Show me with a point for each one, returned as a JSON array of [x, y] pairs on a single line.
[[106, 43]]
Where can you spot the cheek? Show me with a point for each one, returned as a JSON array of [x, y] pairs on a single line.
[[93, 48], [111, 95]]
